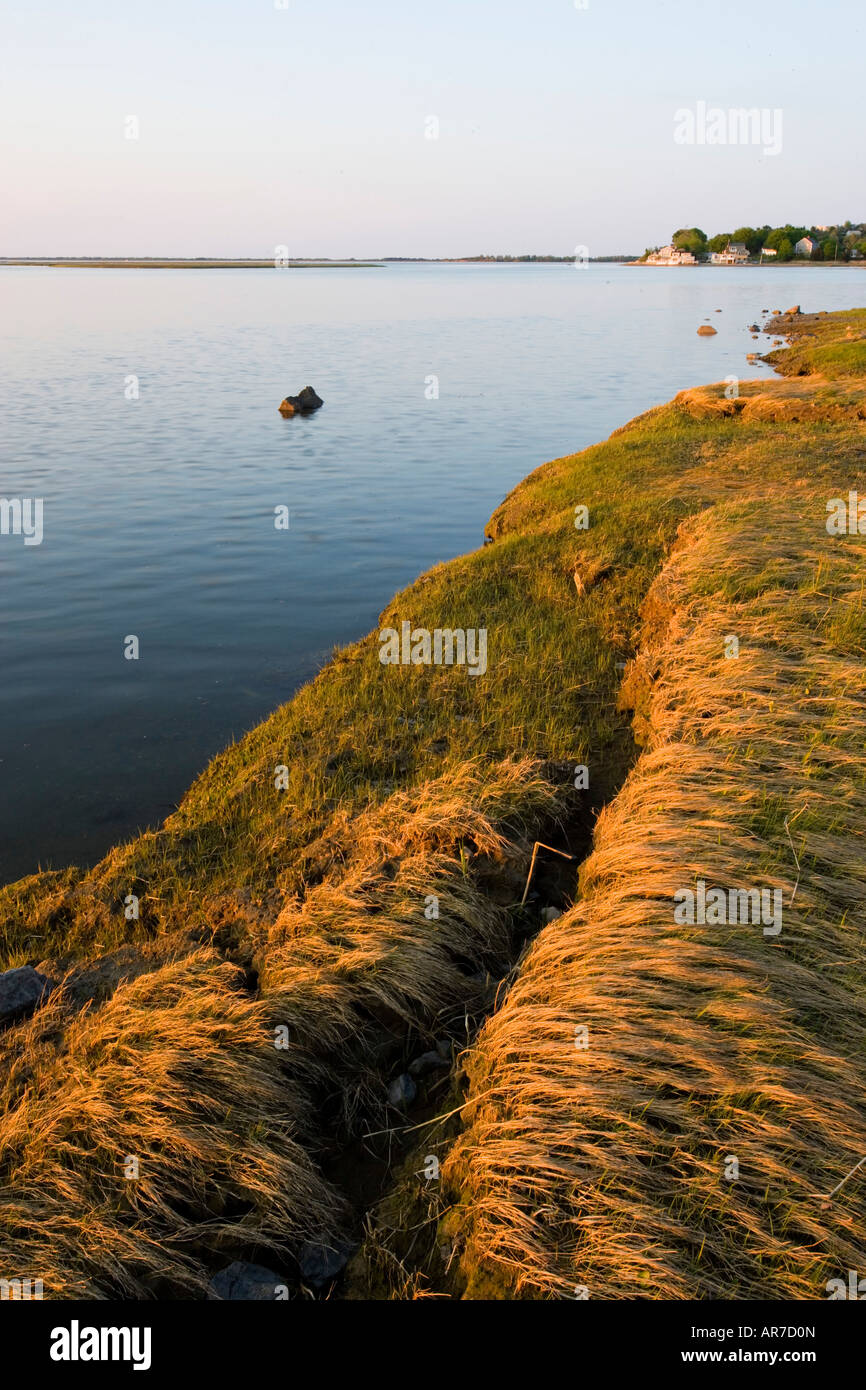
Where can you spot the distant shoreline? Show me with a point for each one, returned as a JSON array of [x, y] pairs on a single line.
[[178, 263], [197, 263]]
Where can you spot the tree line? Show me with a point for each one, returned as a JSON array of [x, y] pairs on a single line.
[[841, 243]]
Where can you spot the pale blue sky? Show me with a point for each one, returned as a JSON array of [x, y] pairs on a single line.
[[305, 126]]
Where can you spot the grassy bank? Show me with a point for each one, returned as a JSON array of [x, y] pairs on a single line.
[[289, 901]]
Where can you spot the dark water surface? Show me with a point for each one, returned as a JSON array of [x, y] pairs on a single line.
[[159, 511]]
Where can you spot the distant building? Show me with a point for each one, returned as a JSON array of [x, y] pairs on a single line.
[[805, 246], [735, 253], [769, 251], [671, 255]]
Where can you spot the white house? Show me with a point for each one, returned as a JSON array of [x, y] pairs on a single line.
[[769, 251], [671, 255], [805, 246], [735, 253]]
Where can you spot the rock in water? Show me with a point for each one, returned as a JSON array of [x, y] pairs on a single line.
[[794, 310], [241, 1282], [706, 330], [304, 403], [20, 991]]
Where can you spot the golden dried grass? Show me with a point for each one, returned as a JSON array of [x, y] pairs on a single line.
[[158, 1053], [354, 967], [177, 1071], [605, 1167]]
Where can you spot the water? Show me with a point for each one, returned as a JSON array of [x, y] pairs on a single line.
[[159, 512]]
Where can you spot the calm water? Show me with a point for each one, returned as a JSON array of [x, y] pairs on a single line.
[[159, 512]]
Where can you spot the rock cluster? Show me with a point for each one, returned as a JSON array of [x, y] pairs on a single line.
[[304, 403]]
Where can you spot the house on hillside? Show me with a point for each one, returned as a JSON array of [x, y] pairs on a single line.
[[671, 255], [805, 246], [735, 253]]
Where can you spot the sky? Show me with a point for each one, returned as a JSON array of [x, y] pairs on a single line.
[[417, 127]]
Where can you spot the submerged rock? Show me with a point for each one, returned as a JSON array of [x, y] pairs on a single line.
[[21, 990], [241, 1282], [303, 404]]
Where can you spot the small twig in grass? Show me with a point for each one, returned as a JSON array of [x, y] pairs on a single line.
[[844, 1180], [407, 1129], [536, 847], [796, 860]]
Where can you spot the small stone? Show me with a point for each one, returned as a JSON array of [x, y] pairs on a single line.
[[706, 330], [427, 1062], [402, 1091], [321, 1263], [241, 1282], [21, 990]]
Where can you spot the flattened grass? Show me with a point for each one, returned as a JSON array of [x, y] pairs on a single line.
[[609, 1166]]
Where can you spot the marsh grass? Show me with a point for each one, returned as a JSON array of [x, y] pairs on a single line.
[[605, 1167], [302, 909]]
